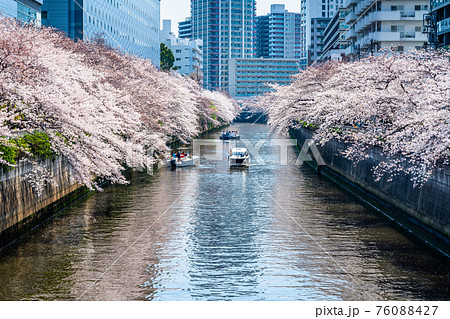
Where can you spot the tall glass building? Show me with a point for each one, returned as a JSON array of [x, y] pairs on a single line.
[[227, 28], [130, 25], [23, 10]]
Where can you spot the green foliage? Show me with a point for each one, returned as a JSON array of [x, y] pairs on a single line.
[[167, 58], [306, 124], [36, 145], [336, 130], [8, 153]]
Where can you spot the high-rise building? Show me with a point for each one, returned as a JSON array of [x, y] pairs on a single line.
[[227, 28], [131, 26], [187, 52], [316, 47], [278, 34], [262, 36], [185, 29], [334, 41], [23, 10], [440, 14], [314, 13], [377, 24]]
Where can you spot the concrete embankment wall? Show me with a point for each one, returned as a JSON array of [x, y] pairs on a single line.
[[423, 210], [20, 205]]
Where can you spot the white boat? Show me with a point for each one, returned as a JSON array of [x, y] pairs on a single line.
[[182, 159], [239, 157]]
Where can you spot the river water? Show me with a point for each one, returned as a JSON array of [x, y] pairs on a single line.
[[268, 232]]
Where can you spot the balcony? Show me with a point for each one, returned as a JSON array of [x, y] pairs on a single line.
[[438, 3], [404, 15], [350, 34], [443, 26], [351, 16], [366, 21], [397, 36], [348, 3], [363, 5], [396, 15], [384, 16], [407, 35]]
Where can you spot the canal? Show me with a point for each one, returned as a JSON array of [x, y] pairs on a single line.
[[269, 232]]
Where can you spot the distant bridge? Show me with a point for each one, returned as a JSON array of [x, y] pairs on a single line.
[[247, 116]]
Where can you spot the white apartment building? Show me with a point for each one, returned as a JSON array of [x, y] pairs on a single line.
[[188, 53], [377, 24], [314, 15], [250, 77]]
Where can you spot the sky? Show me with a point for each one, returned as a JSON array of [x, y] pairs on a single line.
[[178, 10]]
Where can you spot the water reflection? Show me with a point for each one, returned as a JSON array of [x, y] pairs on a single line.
[[267, 232]]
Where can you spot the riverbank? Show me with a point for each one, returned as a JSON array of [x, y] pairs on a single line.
[[22, 208], [211, 233], [424, 211]]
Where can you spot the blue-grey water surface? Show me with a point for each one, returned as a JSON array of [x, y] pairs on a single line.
[[269, 232]]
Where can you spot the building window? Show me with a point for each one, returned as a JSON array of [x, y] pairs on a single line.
[[397, 8], [25, 13], [397, 28], [44, 15], [421, 8]]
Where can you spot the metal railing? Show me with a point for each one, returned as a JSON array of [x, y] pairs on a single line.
[[443, 25]]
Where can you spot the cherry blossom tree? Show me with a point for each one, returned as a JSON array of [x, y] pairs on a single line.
[[400, 103], [102, 110]]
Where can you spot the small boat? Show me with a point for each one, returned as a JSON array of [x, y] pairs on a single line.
[[230, 135], [239, 157], [181, 159]]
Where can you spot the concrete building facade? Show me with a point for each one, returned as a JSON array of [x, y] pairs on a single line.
[[314, 14], [188, 53], [316, 47], [440, 13], [131, 25], [374, 25], [250, 77], [334, 42], [227, 28]]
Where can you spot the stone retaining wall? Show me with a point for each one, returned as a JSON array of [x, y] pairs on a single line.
[[20, 204], [425, 210]]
